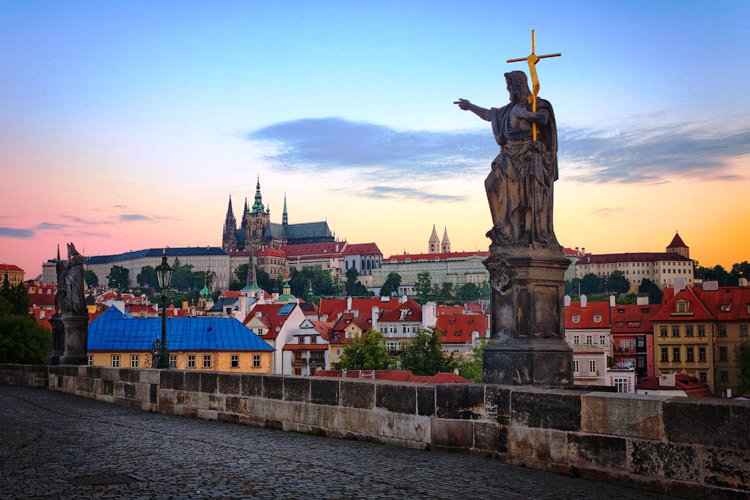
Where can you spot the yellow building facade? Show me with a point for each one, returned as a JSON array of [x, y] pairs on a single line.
[[224, 361]]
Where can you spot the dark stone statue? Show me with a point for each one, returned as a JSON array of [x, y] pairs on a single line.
[[70, 322], [520, 185], [526, 263]]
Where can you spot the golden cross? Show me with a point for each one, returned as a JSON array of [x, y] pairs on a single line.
[[532, 59]]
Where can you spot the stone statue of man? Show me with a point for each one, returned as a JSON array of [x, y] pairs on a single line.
[[73, 283], [520, 185]]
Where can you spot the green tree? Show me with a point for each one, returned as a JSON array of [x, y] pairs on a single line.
[[739, 270], [424, 354], [591, 283], [22, 340], [468, 291], [716, 273], [182, 277], [742, 357], [118, 277], [484, 290], [472, 366], [447, 292], [322, 282], [618, 283], [652, 289], [391, 285], [90, 278], [352, 286], [147, 277], [423, 287], [368, 352], [16, 296], [571, 287]]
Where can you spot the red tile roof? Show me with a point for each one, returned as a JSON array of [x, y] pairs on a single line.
[[692, 387], [305, 347], [362, 249], [337, 330], [10, 267], [443, 310], [728, 303], [457, 328], [269, 316], [413, 257], [395, 376], [393, 315], [696, 311], [42, 299], [270, 252], [613, 258], [677, 242], [310, 250], [331, 308], [631, 318], [586, 316]]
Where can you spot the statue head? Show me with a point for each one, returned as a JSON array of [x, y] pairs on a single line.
[[518, 87]]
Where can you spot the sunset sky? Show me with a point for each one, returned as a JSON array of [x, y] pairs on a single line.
[[126, 125]]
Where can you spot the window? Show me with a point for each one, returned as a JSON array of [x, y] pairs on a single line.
[[702, 354], [256, 359], [206, 361], [743, 330], [701, 330], [641, 342], [722, 330], [597, 318], [576, 340], [191, 361], [173, 361], [602, 340], [675, 330], [133, 361], [664, 354], [682, 307], [90, 360], [725, 307], [589, 339], [663, 331], [235, 361], [723, 376], [575, 366], [690, 354], [115, 360], [576, 318], [621, 384], [688, 330], [702, 377], [723, 354], [675, 354], [592, 366]]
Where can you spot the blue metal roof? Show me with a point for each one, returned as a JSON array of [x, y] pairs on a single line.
[[155, 252], [113, 331], [285, 310]]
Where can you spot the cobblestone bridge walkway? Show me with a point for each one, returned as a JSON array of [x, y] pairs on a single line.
[[54, 445]]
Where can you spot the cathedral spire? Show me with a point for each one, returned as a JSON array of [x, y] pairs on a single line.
[[230, 212], [445, 245], [258, 205], [434, 242], [284, 216]]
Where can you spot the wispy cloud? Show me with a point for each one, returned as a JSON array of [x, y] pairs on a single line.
[[86, 222], [119, 206], [401, 193], [13, 232], [643, 155], [50, 225], [607, 211], [132, 217]]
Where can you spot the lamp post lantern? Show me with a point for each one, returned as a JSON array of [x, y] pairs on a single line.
[[164, 276]]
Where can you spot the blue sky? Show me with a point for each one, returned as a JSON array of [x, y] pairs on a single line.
[[207, 94]]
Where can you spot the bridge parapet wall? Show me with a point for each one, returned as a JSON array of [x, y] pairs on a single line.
[[693, 448]]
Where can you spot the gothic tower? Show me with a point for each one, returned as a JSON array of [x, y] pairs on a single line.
[[229, 237], [434, 243], [678, 246], [284, 216], [445, 245], [258, 218]]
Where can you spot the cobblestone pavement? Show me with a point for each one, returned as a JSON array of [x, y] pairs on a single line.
[[55, 445]]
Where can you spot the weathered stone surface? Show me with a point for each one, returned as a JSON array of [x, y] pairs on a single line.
[[726, 468], [603, 451], [217, 402], [542, 445], [128, 375], [497, 403], [209, 382], [426, 401], [229, 383], [630, 415], [714, 422], [192, 381], [452, 433], [324, 391], [252, 385], [128, 390], [360, 394], [297, 389], [149, 375], [490, 436], [273, 386], [460, 401], [396, 398], [673, 461], [546, 408]]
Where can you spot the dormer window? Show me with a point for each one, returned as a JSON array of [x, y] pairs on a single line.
[[597, 318], [681, 306], [726, 308], [576, 318]]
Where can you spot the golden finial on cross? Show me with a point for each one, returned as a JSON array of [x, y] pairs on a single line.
[[532, 59]]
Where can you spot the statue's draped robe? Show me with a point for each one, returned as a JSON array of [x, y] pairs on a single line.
[[519, 186]]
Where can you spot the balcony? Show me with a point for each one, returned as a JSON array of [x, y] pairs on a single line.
[[625, 350]]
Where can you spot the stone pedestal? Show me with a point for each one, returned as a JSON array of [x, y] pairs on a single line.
[[76, 339], [58, 339], [527, 344]]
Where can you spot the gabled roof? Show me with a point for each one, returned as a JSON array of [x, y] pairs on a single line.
[[692, 386], [274, 316], [331, 308], [632, 318], [362, 249], [311, 250], [696, 309], [457, 328], [413, 257], [728, 303], [114, 331], [677, 242], [409, 311], [308, 230], [613, 258], [10, 267], [587, 315]]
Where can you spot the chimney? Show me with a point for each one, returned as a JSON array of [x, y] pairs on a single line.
[[583, 250], [584, 301], [612, 301], [348, 303], [743, 282], [710, 286], [566, 301], [642, 300], [679, 285], [375, 313], [429, 315], [403, 299]]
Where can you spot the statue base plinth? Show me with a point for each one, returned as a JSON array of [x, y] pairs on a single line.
[[58, 339], [76, 339], [527, 343]]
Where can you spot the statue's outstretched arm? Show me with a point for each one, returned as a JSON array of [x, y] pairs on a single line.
[[466, 105], [540, 117]]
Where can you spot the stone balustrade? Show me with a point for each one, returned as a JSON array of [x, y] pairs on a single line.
[[693, 448]]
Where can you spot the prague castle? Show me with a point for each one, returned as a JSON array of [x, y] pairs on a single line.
[[256, 228]]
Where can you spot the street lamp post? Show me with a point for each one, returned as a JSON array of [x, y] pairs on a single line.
[[164, 276]]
